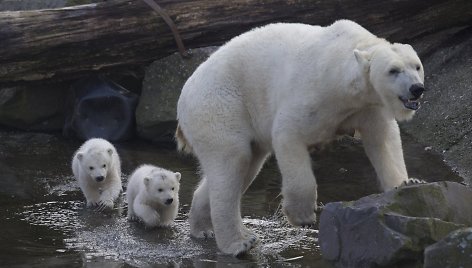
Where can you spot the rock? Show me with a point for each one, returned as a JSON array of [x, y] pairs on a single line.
[[38, 108], [99, 108], [393, 227], [444, 121], [163, 82], [455, 250]]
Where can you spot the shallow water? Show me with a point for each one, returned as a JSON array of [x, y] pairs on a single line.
[[45, 224]]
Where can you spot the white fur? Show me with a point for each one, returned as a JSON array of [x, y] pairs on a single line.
[[95, 158], [148, 189], [284, 88]]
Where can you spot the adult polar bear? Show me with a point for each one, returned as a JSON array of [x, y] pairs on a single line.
[[283, 88]]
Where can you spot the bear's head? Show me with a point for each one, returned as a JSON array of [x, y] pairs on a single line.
[[163, 186], [96, 163], [396, 73]]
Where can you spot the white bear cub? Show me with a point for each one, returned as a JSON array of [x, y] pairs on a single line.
[[153, 195], [96, 166]]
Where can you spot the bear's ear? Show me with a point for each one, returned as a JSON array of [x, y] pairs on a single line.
[[178, 176], [80, 156], [147, 181], [363, 58], [110, 151]]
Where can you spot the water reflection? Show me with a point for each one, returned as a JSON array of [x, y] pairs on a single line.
[[45, 223]]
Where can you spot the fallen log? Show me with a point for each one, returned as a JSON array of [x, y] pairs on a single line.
[[67, 42]]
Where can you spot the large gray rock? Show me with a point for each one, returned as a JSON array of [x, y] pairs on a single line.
[[163, 82], [384, 229], [444, 121], [33, 108], [455, 250]]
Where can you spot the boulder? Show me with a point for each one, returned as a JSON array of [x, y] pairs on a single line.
[[395, 226], [163, 82], [455, 250], [99, 108], [38, 108]]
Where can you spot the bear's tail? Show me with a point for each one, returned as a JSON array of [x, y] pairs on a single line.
[[182, 143]]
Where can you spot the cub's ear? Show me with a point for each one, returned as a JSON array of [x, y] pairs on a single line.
[[178, 176], [110, 151], [363, 58], [147, 181], [80, 156]]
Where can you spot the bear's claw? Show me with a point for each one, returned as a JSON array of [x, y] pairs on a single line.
[[204, 235], [412, 181], [241, 247]]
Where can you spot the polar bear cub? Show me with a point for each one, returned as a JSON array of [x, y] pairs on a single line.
[[153, 195], [96, 166]]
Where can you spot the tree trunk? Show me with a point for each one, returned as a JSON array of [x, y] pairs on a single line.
[[67, 42]]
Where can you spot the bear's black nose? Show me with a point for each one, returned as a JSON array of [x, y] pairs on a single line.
[[417, 90], [169, 201], [100, 178]]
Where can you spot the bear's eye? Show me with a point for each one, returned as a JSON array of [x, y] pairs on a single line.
[[418, 67], [104, 166], [172, 188], [159, 190], [91, 168], [394, 71]]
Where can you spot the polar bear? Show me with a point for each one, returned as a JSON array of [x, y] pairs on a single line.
[[283, 89], [153, 195], [96, 166]]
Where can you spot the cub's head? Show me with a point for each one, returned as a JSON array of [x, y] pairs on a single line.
[[96, 163], [163, 186], [396, 73]]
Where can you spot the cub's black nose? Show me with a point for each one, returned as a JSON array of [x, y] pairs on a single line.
[[100, 178], [169, 201], [417, 90]]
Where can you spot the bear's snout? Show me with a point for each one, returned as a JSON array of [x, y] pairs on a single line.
[[169, 201], [417, 90], [99, 178]]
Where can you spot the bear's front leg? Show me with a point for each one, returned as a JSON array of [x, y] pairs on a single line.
[[110, 194], [382, 144], [298, 182], [92, 195], [147, 214]]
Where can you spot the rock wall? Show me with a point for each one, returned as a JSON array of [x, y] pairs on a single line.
[[444, 121], [39, 108], [157, 109]]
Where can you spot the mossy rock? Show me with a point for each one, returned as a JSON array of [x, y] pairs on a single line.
[[393, 227], [455, 250]]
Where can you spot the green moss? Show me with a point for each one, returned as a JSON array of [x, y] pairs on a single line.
[[425, 201]]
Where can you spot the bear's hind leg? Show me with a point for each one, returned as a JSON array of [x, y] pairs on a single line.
[[226, 173], [258, 159]]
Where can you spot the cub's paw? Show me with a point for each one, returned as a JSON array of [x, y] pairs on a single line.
[[241, 246], [151, 220], [106, 204], [133, 218]]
